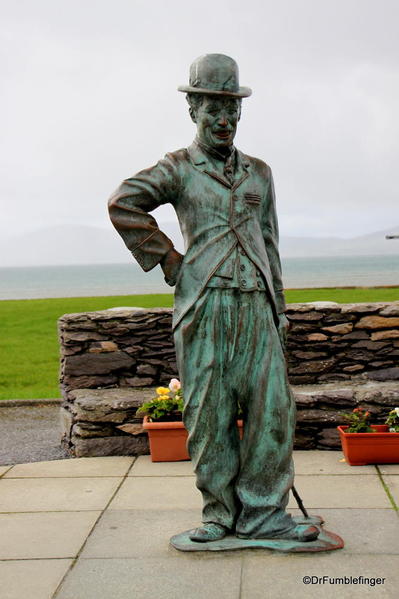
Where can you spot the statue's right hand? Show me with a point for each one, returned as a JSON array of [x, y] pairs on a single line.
[[170, 265]]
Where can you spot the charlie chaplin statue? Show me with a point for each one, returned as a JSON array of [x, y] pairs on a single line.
[[228, 322]]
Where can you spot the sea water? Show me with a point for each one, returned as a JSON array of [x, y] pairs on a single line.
[[129, 279]]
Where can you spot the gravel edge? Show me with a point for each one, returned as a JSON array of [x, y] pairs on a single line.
[[16, 403]]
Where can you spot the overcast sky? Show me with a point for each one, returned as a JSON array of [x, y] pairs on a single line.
[[88, 97]]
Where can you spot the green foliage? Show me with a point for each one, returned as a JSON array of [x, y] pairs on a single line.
[[393, 420], [358, 421], [166, 407]]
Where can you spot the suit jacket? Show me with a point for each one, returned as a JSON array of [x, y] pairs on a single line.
[[215, 216]]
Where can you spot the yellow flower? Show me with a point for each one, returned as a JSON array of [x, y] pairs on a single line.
[[162, 390], [163, 397]]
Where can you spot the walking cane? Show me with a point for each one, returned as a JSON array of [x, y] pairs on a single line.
[[299, 502]]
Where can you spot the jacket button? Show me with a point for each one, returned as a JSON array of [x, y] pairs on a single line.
[[242, 266], [243, 283], [242, 252]]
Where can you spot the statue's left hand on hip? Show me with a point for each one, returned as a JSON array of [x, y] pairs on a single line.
[[171, 264]]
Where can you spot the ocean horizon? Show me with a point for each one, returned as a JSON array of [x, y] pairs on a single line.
[[36, 282]]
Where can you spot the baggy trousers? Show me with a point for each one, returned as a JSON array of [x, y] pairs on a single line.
[[229, 354]]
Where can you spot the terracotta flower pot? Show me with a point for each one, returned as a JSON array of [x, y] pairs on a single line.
[[168, 440], [381, 447]]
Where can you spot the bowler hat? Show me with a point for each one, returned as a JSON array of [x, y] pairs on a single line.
[[216, 75]]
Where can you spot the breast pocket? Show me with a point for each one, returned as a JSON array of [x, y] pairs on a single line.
[[252, 199], [252, 202]]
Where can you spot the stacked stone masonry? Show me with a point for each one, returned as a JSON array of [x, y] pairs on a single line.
[[117, 356]]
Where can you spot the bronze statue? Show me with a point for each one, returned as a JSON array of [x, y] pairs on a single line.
[[229, 323]]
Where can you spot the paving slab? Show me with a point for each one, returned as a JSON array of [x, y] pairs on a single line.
[[4, 469], [146, 533], [392, 480], [340, 491], [44, 534], [389, 468], [157, 493], [280, 577], [33, 579], [79, 467], [144, 467], [55, 494], [326, 462], [50, 508], [306, 462], [163, 578], [361, 529], [139, 533]]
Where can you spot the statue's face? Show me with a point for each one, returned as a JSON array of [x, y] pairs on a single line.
[[216, 120]]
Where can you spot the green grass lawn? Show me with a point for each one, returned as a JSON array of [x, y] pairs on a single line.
[[29, 350]]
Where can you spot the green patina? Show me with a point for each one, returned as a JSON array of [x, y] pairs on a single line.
[[229, 323]]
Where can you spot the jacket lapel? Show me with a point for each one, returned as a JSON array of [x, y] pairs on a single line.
[[201, 161], [242, 170]]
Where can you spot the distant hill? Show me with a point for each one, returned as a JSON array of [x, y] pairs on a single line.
[[71, 244], [364, 245]]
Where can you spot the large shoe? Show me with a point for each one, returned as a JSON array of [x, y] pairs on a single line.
[[301, 532], [208, 532]]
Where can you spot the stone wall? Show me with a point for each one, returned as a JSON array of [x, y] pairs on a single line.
[[111, 360], [330, 342], [134, 347], [99, 422], [116, 348]]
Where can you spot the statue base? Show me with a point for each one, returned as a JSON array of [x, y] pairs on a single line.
[[326, 541]]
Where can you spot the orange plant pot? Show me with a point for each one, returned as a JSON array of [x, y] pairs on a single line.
[[381, 447], [168, 440]]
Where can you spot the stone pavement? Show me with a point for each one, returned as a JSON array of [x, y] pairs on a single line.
[[99, 528]]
